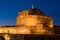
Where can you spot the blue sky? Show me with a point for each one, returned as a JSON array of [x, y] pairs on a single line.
[[9, 9]]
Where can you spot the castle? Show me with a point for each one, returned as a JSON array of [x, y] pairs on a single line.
[[31, 21]]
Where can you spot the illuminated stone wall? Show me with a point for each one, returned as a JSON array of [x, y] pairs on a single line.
[[37, 23]]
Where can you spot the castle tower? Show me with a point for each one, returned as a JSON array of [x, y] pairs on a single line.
[[35, 20]]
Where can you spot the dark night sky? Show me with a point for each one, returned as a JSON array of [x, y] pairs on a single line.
[[9, 9]]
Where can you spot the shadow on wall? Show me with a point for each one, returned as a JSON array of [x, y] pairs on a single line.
[[2, 38]]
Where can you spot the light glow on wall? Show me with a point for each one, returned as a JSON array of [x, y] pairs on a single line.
[[30, 22]]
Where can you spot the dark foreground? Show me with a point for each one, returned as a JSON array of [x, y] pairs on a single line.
[[33, 37], [42, 37]]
